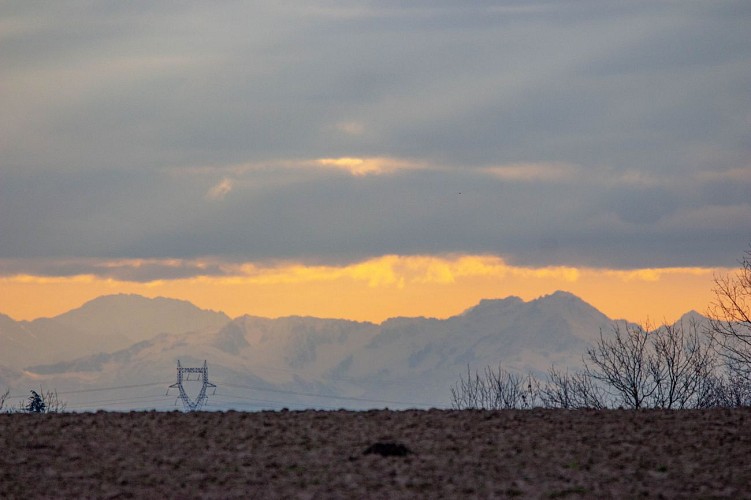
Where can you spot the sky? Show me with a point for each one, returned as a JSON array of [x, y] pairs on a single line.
[[372, 159]]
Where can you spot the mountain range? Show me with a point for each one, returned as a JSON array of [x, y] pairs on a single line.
[[120, 352]]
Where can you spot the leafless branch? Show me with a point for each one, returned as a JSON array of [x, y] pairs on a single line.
[[730, 318]]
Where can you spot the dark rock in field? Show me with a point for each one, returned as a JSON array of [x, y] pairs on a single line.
[[388, 450]]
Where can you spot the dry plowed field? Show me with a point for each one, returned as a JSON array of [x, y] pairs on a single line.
[[378, 454]]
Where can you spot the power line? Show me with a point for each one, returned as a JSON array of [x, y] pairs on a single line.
[[150, 397], [202, 398], [311, 374], [343, 398], [113, 388], [230, 400], [93, 389]]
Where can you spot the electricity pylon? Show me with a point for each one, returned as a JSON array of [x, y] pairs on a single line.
[[203, 376]]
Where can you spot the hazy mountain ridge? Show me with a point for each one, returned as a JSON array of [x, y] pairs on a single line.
[[105, 324], [401, 359], [44, 341], [139, 318]]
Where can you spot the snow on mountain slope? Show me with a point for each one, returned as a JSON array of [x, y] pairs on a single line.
[[293, 345], [432, 354], [43, 341], [695, 317], [313, 362], [104, 324], [15, 341]]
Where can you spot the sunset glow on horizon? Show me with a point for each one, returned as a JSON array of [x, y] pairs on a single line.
[[366, 160], [380, 288]]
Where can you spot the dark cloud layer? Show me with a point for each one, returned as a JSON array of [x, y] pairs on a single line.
[[149, 131]]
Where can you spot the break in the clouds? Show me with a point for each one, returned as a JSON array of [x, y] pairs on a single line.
[[607, 134]]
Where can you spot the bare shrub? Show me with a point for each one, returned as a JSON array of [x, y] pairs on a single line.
[[730, 391], [3, 399], [43, 402], [494, 390], [571, 391], [673, 366]]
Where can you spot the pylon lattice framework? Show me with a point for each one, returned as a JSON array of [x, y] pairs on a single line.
[[203, 376]]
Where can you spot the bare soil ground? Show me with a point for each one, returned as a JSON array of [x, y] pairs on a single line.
[[436, 453]]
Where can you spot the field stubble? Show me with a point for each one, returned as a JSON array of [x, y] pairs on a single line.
[[316, 454]]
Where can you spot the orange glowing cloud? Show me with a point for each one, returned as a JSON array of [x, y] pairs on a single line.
[[368, 166], [220, 189]]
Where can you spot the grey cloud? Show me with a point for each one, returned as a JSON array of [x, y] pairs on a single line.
[[323, 216], [112, 106], [135, 271]]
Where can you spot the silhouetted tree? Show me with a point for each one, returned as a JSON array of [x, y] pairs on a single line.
[[36, 403], [730, 319], [622, 364], [672, 366], [683, 366]]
